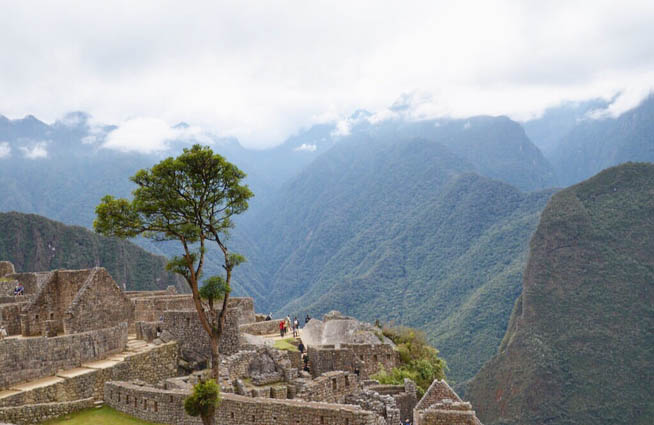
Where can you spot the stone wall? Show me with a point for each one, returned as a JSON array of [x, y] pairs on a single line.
[[32, 282], [147, 331], [262, 328], [10, 316], [99, 303], [330, 387], [6, 268], [442, 406], [52, 301], [151, 308], [23, 359], [37, 413], [245, 308], [372, 355], [367, 357], [185, 328], [323, 359], [438, 390], [166, 406], [448, 413], [152, 366]]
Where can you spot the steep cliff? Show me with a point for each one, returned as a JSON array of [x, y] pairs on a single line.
[[579, 344]]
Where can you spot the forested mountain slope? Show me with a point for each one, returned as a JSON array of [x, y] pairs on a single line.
[[34, 243], [579, 345], [405, 229]]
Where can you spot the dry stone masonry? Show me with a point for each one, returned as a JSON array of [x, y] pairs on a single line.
[[76, 338]]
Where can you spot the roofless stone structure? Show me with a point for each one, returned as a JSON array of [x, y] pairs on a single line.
[[76, 339]]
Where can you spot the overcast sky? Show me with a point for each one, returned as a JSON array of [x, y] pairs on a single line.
[[260, 70]]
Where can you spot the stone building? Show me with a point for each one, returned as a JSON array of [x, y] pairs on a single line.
[[85, 340]]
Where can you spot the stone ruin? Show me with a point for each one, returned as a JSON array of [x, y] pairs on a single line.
[[86, 341]]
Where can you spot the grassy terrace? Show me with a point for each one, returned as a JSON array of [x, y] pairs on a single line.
[[102, 416]]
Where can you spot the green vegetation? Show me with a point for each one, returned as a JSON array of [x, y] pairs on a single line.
[[419, 361], [34, 243], [580, 337], [422, 241], [285, 344], [203, 401], [103, 416], [191, 200]]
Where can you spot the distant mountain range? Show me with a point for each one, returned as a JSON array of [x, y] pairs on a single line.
[[579, 347], [424, 222]]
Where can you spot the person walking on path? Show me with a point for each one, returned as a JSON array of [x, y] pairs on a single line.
[[301, 348], [281, 328], [296, 325]]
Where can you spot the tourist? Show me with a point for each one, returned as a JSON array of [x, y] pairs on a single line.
[[301, 347], [281, 328], [19, 290], [269, 317], [407, 422], [306, 319], [296, 325], [3, 333], [357, 371]]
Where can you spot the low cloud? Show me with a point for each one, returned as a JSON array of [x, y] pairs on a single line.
[[148, 135], [37, 151], [5, 149], [306, 148]]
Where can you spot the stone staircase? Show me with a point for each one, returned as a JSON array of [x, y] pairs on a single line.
[[19, 390]]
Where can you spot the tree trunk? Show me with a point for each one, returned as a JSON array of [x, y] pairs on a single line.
[[209, 419], [215, 357]]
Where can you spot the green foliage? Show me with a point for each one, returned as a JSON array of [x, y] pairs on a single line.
[[187, 198], [102, 416], [580, 340], [204, 399], [419, 361], [214, 288], [34, 243], [285, 344]]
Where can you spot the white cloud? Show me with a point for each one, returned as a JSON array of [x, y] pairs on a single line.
[[36, 151], [148, 135], [306, 147], [261, 70], [5, 149]]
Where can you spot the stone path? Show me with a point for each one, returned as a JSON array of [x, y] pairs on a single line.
[[276, 336], [133, 346]]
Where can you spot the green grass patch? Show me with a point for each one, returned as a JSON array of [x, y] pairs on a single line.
[[103, 416], [285, 344]]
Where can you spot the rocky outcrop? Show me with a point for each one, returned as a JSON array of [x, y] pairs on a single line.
[[578, 348]]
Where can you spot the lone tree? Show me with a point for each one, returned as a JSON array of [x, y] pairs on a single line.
[[190, 199]]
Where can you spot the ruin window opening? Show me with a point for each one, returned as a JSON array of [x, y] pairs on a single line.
[[374, 358], [188, 321], [51, 316], [156, 406], [322, 419], [231, 415], [145, 404], [127, 399], [347, 381], [334, 384], [171, 399], [136, 402], [36, 317], [252, 418]]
